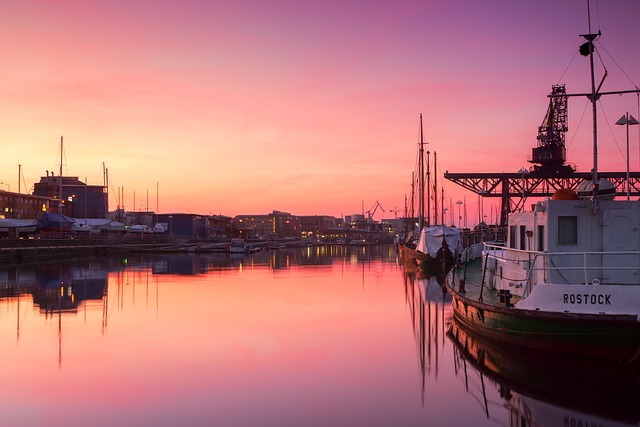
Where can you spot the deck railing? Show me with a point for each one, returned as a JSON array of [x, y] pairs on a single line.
[[587, 268]]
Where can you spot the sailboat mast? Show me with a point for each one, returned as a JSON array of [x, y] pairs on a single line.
[[61, 151], [421, 177], [428, 192], [406, 229], [105, 185], [19, 192], [60, 177], [435, 186], [413, 201]]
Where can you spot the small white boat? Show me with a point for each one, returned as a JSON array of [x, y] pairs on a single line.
[[19, 225], [139, 228], [237, 246], [81, 228]]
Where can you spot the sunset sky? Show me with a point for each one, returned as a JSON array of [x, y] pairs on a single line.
[[242, 107]]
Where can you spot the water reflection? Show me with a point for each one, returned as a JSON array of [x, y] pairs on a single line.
[[65, 287], [57, 287], [507, 385], [430, 308], [55, 290], [539, 390], [335, 336], [279, 259]]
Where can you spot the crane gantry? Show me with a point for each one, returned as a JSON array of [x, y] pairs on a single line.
[[373, 209], [550, 171]]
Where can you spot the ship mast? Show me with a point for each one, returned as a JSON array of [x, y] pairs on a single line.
[[413, 202], [587, 48], [428, 192], [421, 178], [435, 188], [60, 177]]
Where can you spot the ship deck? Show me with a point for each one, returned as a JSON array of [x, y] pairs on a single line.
[[473, 288]]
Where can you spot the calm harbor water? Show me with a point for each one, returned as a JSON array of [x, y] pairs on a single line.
[[338, 336]]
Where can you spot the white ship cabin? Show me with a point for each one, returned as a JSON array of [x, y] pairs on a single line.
[[565, 241]]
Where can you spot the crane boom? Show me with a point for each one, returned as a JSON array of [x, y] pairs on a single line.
[[374, 208]]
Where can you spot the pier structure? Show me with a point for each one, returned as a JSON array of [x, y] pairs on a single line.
[[549, 171], [516, 187]]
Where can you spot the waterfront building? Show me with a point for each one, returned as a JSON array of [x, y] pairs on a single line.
[[219, 227], [285, 224], [22, 206], [252, 226], [321, 227], [274, 225], [73, 197], [184, 225]]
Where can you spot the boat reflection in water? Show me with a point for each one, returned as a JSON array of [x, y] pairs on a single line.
[[430, 307], [545, 390]]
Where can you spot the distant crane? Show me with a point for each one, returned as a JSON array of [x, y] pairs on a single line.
[[373, 209], [395, 212]]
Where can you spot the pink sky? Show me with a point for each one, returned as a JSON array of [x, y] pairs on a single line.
[[306, 107]]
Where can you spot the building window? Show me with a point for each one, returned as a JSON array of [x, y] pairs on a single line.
[[567, 230]]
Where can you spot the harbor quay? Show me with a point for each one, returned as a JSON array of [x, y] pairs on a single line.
[[47, 249], [65, 217], [49, 246]]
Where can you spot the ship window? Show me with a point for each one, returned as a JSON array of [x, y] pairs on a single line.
[[541, 238], [523, 231], [512, 236], [567, 230]]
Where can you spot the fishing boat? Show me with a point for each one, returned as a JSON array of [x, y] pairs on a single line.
[[568, 280]]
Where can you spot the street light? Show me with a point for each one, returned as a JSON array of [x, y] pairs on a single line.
[[459, 202], [627, 120], [8, 186]]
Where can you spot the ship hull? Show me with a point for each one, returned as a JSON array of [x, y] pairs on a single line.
[[604, 336]]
